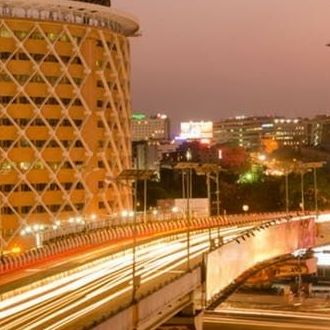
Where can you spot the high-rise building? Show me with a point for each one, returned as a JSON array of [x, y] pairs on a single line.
[[148, 133], [155, 127], [65, 111]]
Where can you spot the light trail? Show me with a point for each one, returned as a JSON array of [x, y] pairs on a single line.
[[63, 300]]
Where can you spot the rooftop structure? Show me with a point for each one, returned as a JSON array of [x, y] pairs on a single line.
[[98, 2]]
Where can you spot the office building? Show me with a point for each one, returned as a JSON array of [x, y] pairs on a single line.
[[150, 128], [65, 111], [249, 132]]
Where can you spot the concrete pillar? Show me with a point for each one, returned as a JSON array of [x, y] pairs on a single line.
[[190, 321]]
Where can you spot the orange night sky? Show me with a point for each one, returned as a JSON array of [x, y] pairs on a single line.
[[211, 59]]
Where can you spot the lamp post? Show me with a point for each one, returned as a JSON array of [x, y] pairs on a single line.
[[285, 168], [302, 169], [314, 166], [282, 168], [135, 175], [208, 169], [36, 230], [286, 174], [188, 167]]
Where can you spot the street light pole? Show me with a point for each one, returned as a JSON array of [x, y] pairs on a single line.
[[218, 193], [145, 200], [208, 184], [134, 289], [135, 175], [183, 184], [287, 191], [188, 218], [188, 157], [315, 193], [315, 166], [302, 191]]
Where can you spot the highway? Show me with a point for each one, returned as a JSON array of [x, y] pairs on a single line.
[[251, 319], [60, 301]]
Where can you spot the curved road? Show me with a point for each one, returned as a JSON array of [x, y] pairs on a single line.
[[61, 300]]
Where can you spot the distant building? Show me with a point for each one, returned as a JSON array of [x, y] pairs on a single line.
[[149, 133], [155, 127], [223, 155], [249, 132], [245, 132], [290, 132], [146, 154], [319, 132]]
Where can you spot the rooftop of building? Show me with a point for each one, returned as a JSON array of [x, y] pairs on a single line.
[[98, 13], [138, 116], [98, 2]]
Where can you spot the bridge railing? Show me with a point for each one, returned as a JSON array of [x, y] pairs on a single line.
[[88, 238]]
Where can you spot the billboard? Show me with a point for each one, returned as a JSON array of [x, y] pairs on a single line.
[[196, 130]]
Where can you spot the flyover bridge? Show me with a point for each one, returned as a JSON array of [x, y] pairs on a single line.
[[96, 288]]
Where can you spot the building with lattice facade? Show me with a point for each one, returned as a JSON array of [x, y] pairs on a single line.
[[64, 111]]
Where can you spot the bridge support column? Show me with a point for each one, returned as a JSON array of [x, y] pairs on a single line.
[[185, 319], [191, 317]]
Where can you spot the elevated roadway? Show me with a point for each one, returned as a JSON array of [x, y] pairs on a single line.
[[262, 320], [70, 298], [94, 289]]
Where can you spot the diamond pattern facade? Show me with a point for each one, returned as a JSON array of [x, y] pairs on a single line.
[[64, 121]]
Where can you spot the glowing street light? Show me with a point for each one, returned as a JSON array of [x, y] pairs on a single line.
[[245, 207], [36, 230]]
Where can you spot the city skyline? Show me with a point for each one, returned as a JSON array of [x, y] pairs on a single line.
[[248, 60]]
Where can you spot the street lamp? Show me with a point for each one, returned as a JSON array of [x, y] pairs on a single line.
[[314, 166], [188, 167], [37, 231], [207, 169], [302, 168], [135, 175], [245, 207], [282, 168]]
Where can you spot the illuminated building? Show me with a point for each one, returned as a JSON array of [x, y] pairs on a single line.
[[319, 134], [245, 132], [65, 110], [153, 128], [248, 132], [148, 133]]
